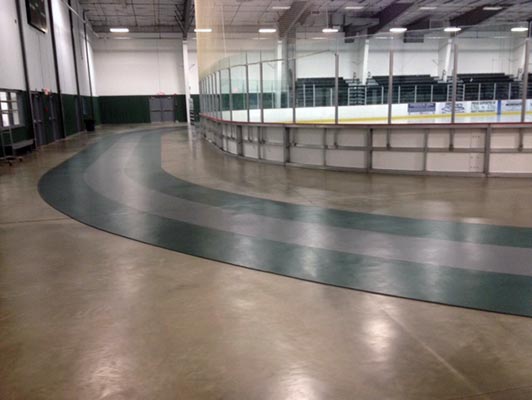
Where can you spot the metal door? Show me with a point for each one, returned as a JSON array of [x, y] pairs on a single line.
[[155, 110], [162, 109], [168, 109], [53, 123], [38, 118]]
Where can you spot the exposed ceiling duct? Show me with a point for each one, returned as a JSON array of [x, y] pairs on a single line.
[[388, 15], [293, 16]]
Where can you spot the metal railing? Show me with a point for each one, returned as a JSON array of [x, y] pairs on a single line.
[[371, 148]]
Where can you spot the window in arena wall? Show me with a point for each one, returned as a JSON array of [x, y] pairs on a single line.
[[10, 108]]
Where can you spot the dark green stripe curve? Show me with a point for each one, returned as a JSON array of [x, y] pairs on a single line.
[[155, 178], [64, 188]]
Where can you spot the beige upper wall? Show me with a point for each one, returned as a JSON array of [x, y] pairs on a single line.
[[143, 67]]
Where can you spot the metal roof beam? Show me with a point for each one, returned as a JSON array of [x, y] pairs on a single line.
[[292, 16], [388, 15], [474, 16], [188, 16]]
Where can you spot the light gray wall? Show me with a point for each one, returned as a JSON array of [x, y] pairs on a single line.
[[11, 75], [145, 66], [39, 51]]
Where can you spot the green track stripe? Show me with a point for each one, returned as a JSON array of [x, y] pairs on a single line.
[[153, 176], [64, 188]]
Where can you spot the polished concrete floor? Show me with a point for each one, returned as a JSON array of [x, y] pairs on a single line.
[[87, 314]]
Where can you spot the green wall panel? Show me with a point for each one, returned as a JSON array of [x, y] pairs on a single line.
[[239, 101], [197, 109], [91, 107], [107, 110], [96, 107], [69, 113], [225, 101], [22, 133], [124, 109], [181, 108], [133, 109], [25, 132]]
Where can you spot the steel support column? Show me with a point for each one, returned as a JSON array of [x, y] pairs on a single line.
[[74, 56], [56, 70], [26, 75], [186, 79]]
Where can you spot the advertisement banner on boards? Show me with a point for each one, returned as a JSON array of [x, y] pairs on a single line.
[[421, 108], [461, 107], [486, 106], [511, 105]]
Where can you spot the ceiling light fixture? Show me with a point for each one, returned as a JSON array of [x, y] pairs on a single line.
[[328, 28], [119, 30], [280, 7], [398, 30], [427, 8], [452, 29], [267, 30], [492, 8], [319, 38], [203, 30], [354, 7], [520, 29]]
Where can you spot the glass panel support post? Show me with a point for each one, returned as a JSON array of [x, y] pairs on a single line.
[[220, 94], [261, 99], [247, 92], [294, 96], [399, 94], [390, 87], [455, 81], [214, 111], [230, 94], [336, 97], [525, 80]]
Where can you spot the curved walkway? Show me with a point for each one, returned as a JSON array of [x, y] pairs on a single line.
[[118, 185]]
